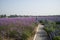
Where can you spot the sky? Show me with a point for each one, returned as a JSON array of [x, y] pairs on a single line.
[[30, 7]]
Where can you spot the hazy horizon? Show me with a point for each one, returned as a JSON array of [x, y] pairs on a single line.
[[30, 7]]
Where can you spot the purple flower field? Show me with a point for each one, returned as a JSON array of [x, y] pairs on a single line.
[[19, 21]]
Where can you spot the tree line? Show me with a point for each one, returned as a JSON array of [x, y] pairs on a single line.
[[5, 16]]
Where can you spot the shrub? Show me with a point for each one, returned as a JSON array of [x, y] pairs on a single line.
[[0, 38], [26, 34], [58, 22], [11, 34], [1, 28], [56, 38], [49, 29]]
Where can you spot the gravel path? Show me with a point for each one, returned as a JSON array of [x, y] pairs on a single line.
[[40, 33]]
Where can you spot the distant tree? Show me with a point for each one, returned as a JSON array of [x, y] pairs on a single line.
[[13, 16], [2, 16]]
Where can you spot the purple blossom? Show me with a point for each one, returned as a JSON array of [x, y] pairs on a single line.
[[19, 21]]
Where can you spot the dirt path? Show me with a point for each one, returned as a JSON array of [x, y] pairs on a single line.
[[40, 33]]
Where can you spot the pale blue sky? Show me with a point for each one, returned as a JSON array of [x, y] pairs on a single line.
[[30, 7]]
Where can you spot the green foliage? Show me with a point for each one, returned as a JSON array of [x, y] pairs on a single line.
[[43, 22], [0, 38], [51, 23], [2, 28], [26, 34], [49, 29], [58, 22], [56, 38], [13, 34], [34, 24]]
